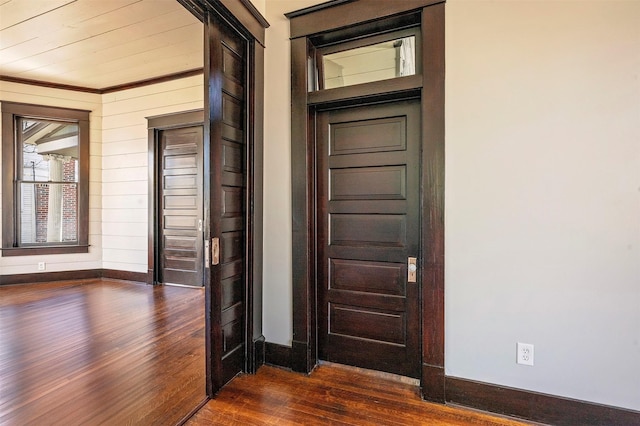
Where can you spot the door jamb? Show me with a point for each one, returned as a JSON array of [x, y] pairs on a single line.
[[304, 354]]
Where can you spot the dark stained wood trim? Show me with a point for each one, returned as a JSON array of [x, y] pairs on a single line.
[[302, 179], [433, 164], [50, 276], [315, 8], [44, 111], [210, 319], [256, 357], [304, 106], [175, 120], [371, 91], [11, 110], [432, 383], [254, 202], [110, 89], [535, 406], [239, 13], [196, 8], [249, 18], [43, 250], [141, 277], [154, 80], [337, 15], [256, 13], [48, 84], [278, 355], [8, 146]]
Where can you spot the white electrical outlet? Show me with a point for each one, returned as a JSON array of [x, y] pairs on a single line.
[[42, 266], [524, 353]]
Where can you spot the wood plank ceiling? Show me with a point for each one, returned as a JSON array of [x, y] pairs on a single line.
[[97, 44]]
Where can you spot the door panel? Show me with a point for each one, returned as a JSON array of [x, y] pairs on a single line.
[[180, 199], [228, 192], [368, 225]]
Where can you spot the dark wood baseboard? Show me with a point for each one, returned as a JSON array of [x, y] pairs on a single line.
[[300, 357], [115, 274], [433, 383], [535, 406], [277, 355], [257, 355], [50, 276], [492, 398], [74, 275]]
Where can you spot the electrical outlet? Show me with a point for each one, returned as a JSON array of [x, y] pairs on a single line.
[[42, 266], [524, 353]]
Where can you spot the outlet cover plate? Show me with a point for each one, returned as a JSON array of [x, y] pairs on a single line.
[[524, 353]]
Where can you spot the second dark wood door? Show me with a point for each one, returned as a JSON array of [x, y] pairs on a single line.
[[368, 227], [180, 202]]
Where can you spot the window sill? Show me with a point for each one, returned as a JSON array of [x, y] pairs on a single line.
[[41, 250]]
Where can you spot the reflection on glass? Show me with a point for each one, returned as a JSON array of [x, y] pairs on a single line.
[[48, 182], [390, 59]]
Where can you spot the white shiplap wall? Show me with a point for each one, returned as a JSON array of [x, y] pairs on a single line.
[[118, 174], [68, 99], [125, 168]]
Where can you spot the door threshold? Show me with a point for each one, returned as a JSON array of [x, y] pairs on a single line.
[[374, 373], [182, 285]]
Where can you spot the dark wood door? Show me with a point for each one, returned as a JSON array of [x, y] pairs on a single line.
[[368, 227], [228, 133], [180, 201]]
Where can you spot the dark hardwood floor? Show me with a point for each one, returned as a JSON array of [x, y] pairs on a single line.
[[332, 394], [100, 351], [103, 351]]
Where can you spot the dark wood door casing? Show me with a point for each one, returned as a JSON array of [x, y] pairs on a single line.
[[339, 21]]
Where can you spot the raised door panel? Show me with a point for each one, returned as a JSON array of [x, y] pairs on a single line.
[[368, 193]]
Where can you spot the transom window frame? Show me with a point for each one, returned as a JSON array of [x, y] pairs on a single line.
[[317, 83], [12, 112]]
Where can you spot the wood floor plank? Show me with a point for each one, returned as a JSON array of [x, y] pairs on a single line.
[[332, 394], [100, 351]]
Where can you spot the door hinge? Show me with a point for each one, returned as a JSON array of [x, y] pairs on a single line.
[[206, 253]]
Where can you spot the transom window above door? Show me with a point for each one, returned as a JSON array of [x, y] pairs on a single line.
[[365, 60]]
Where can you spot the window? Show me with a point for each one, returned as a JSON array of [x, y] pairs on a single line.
[[45, 187], [365, 60]]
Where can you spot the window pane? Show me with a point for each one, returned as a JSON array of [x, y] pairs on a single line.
[[48, 213], [381, 61], [49, 151]]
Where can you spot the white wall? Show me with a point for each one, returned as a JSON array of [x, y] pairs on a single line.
[[542, 193], [125, 169], [118, 176], [67, 99], [277, 301]]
